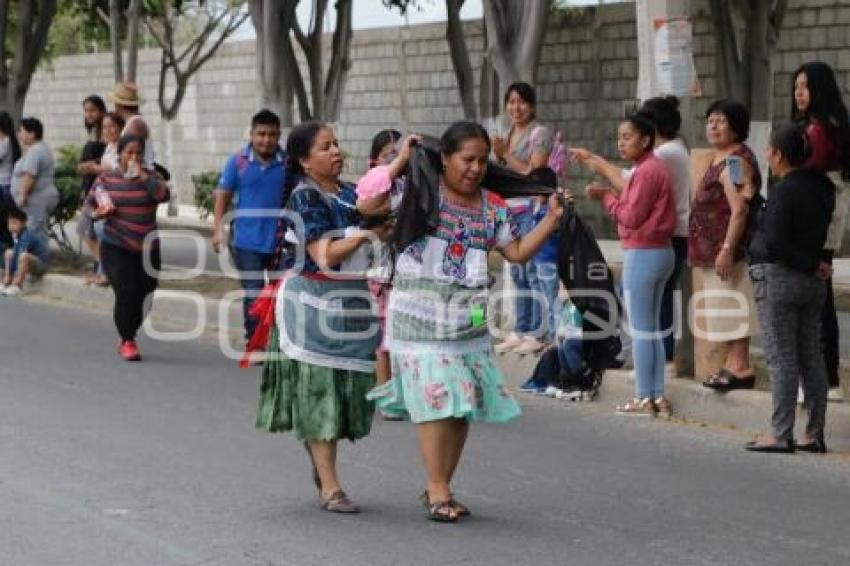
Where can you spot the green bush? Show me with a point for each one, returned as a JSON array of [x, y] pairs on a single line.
[[205, 185], [67, 182]]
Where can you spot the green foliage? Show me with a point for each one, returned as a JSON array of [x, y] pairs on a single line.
[[67, 182], [205, 185]]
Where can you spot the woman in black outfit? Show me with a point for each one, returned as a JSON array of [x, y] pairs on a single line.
[[789, 280]]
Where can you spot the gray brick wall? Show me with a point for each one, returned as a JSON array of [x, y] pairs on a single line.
[[403, 78]]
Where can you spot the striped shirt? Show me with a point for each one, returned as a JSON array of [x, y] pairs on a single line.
[[135, 203]]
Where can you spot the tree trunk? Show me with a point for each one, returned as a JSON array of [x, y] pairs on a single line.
[[272, 21], [745, 70], [134, 16], [31, 40], [340, 61], [115, 39], [460, 59], [515, 33], [311, 45]]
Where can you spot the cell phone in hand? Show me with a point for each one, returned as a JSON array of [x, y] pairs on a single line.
[[736, 169]]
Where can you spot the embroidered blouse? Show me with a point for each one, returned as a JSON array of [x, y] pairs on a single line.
[[322, 213], [457, 251]]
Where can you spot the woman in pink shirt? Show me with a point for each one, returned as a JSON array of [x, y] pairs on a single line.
[[816, 102], [646, 218]]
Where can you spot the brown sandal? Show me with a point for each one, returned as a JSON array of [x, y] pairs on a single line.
[[338, 502], [461, 509], [442, 512]]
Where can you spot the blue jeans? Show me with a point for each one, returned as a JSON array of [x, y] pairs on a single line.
[[570, 355], [248, 261], [645, 273], [548, 284], [524, 277]]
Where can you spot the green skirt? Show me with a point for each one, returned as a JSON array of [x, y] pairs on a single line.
[[317, 403]]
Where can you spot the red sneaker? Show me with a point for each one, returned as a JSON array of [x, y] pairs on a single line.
[[129, 351]]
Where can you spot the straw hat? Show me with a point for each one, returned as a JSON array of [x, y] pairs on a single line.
[[125, 94]]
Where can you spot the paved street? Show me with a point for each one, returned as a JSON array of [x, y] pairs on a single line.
[[105, 463]]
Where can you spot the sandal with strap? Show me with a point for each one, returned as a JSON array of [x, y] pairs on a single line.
[[337, 502], [442, 512], [724, 380], [461, 509], [638, 407]]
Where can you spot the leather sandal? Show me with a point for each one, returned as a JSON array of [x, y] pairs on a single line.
[[338, 502], [816, 446], [724, 380], [442, 512], [777, 447], [462, 510]]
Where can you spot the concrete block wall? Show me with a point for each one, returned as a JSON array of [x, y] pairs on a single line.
[[403, 78]]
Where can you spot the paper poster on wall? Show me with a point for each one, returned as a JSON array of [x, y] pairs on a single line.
[[675, 72]]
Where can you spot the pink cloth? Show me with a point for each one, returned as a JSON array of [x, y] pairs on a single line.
[[645, 211], [375, 182]]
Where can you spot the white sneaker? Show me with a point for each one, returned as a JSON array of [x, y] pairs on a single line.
[[529, 345], [513, 340], [552, 391], [835, 395], [13, 291], [801, 397], [573, 395]]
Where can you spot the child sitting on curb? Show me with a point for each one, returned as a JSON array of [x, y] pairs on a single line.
[[564, 357], [28, 255]]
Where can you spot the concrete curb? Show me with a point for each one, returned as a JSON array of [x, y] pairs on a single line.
[[188, 316]]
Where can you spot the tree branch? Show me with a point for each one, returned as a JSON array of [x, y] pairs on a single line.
[[4, 22], [115, 40], [133, 17], [460, 58], [340, 60]]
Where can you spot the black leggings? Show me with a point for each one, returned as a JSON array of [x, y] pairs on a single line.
[[6, 204], [126, 273], [829, 329]]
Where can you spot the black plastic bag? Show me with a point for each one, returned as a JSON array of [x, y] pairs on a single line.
[[590, 284], [419, 212]]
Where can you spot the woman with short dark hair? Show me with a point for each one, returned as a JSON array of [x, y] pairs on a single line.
[[717, 246], [789, 279], [32, 177], [126, 200]]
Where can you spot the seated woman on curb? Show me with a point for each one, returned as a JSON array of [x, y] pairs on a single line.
[[790, 289]]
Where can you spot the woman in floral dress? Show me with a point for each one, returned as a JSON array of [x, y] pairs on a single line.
[[437, 334]]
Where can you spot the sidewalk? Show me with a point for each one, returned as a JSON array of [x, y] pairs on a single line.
[[187, 316]]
